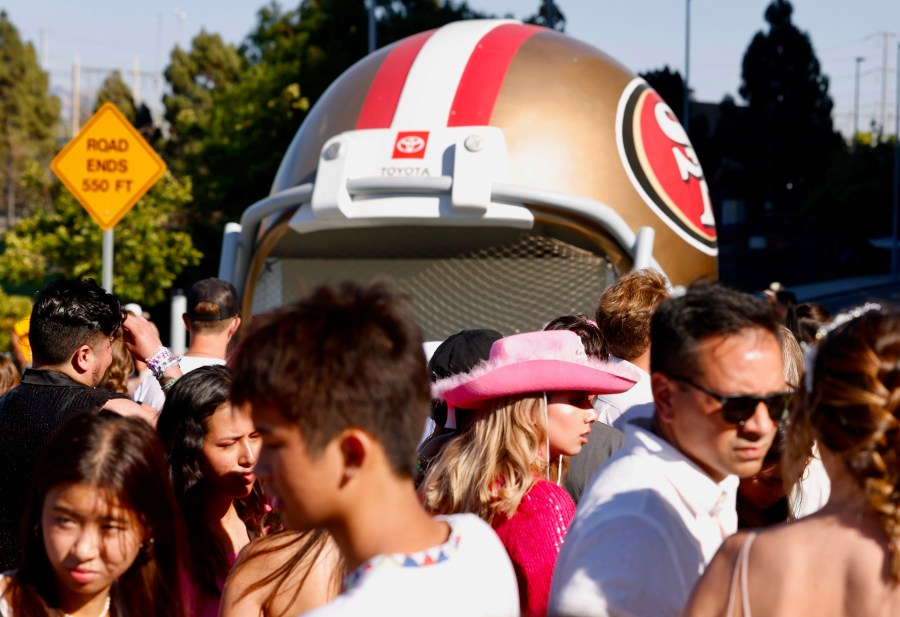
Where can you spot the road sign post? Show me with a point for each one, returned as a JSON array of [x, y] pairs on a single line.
[[108, 167]]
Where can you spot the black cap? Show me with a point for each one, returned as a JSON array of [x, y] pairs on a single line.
[[458, 354], [212, 299]]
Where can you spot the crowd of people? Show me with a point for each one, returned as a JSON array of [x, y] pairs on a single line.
[[690, 452]]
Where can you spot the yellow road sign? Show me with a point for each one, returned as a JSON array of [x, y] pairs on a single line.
[[108, 166]]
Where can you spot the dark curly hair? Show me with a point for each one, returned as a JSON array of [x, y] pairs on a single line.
[[182, 425]]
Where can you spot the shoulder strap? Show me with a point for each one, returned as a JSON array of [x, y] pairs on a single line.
[[740, 568]]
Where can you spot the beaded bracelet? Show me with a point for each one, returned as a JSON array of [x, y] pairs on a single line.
[[166, 385], [161, 361]]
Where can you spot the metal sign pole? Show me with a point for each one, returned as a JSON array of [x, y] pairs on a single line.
[[108, 260]]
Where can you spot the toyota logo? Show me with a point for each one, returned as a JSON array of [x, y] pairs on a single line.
[[410, 144]]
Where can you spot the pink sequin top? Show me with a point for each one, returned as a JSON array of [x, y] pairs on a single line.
[[533, 537]]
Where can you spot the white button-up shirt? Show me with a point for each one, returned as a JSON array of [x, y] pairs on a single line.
[[620, 408], [645, 529]]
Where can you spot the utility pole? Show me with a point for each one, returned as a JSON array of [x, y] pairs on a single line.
[[373, 33], [885, 40], [859, 60], [76, 97], [686, 107], [896, 217], [136, 81]]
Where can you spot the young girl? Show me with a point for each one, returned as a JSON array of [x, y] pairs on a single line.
[[212, 449], [533, 402], [99, 536]]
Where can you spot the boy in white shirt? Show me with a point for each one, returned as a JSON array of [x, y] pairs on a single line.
[[338, 388]]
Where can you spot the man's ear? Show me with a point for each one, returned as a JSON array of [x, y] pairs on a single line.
[[187, 322], [663, 389], [82, 359], [234, 326], [355, 448]]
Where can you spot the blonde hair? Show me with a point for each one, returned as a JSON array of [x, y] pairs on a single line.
[[493, 463], [792, 356], [853, 410], [121, 368]]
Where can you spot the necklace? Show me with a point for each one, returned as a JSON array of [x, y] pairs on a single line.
[[103, 613]]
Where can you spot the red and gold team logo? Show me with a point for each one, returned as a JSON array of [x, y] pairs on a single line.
[[663, 166], [410, 145]]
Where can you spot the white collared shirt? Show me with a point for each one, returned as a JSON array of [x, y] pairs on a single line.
[[644, 531], [616, 410]]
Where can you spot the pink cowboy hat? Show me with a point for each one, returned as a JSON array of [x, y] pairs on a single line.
[[534, 362]]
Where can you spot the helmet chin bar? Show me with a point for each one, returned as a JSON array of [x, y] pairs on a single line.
[[461, 180]]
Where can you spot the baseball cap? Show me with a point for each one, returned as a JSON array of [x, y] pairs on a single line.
[[212, 299]]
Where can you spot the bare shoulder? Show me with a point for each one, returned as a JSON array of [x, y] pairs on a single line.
[[129, 408], [710, 596], [291, 572]]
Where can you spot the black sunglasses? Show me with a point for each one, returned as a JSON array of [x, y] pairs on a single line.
[[739, 409]]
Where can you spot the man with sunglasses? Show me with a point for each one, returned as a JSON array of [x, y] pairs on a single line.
[[656, 513]]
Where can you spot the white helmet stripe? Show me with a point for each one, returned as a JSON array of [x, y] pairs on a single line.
[[431, 85]]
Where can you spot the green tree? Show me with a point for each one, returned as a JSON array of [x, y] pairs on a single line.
[[789, 109], [670, 86], [29, 119], [401, 18], [114, 90], [194, 76], [549, 15], [150, 249]]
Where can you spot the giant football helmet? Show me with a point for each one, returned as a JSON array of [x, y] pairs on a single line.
[[502, 173]]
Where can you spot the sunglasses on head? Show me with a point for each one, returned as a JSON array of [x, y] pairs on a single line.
[[739, 409]]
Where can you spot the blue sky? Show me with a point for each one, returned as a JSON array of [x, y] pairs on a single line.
[[641, 34]]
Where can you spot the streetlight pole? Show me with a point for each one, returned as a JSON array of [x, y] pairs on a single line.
[[896, 171], [686, 107], [859, 60], [373, 35]]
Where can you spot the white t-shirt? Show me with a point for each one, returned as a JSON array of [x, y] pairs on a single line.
[[811, 492], [5, 610], [149, 391], [644, 531], [636, 402], [470, 575]]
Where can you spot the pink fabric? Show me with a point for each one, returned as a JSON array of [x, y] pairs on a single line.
[[534, 362], [533, 537], [201, 604]]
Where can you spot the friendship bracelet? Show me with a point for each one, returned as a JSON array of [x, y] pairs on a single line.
[[161, 361]]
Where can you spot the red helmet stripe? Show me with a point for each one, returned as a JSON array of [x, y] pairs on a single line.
[[484, 73], [381, 100]]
